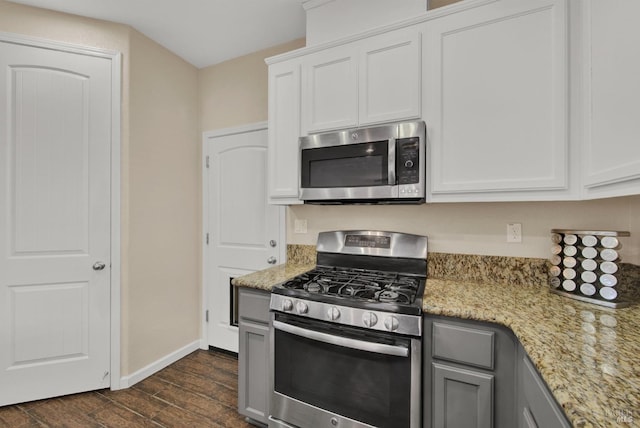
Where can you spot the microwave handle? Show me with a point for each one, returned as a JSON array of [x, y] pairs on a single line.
[[391, 167], [361, 345]]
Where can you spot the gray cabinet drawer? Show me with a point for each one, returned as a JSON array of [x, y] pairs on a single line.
[[254, 304], [463, 345]]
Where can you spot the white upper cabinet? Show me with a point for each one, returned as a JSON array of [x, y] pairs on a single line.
[[284, 130], [389, 84], [496, 102], [373, 80], [330, 89], [611, 94]]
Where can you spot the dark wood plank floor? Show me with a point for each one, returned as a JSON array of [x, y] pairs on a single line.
[[200, 390]]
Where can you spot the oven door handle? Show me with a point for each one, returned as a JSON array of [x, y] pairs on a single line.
[[361, 345]]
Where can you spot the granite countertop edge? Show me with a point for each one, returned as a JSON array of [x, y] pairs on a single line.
[[267, 278], [585, 353]]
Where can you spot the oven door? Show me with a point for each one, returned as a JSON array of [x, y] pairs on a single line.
[[325, 375]]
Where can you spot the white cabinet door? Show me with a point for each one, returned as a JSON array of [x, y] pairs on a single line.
[[284, 131], [373, 80], [611, 145], [495, 97], [330, 90], [390, 76]]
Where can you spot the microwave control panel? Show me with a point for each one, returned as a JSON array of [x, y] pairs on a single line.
[[408, 160]]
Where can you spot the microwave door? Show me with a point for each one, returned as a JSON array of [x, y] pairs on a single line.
[[351, 171]]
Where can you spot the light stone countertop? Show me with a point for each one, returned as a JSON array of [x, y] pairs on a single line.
[[265, 279], [588, 355]]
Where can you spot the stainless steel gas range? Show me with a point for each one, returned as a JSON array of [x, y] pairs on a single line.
[[346, 339]]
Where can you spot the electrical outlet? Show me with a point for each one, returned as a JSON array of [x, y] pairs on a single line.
[[514, 232], [300, 226]]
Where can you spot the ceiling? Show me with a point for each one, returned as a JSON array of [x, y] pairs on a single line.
[[202, 32]]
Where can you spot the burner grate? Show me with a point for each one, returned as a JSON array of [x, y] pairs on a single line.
[[377, 286]]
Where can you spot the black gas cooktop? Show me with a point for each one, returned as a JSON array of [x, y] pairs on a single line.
[[361, 284]]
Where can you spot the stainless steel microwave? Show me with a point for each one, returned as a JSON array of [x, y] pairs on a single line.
[[381, 164]]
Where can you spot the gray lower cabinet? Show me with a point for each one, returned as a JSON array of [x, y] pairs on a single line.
[[469, 374], [536, 406], [253, 354], [477, 375]]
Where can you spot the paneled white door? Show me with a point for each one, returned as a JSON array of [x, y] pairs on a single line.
[[55, 145], [244, 231]]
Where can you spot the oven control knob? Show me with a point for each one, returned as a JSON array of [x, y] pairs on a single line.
[[287, 305], [333, 313], [391, 323], [369, 319], [302, 308]]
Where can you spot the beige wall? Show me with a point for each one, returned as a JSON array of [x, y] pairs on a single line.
[[234, 92], [479, 228], [159, 172], [31, 21], [164, 205]]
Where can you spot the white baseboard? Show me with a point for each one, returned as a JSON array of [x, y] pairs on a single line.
[[156, 366]]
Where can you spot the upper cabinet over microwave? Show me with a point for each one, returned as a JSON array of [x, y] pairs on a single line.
[[370, 81]]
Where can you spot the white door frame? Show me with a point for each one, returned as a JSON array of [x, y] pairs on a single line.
[[282, 251], [116, 141]]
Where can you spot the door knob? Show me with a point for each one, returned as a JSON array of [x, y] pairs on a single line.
[[98, 266], [273, 243], [271, 260]]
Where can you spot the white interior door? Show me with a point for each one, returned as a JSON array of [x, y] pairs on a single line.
[[55, 144], [244, 230]]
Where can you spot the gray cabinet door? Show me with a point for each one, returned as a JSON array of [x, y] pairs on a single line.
[[462, 398], [537, 407], [253, 355]]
